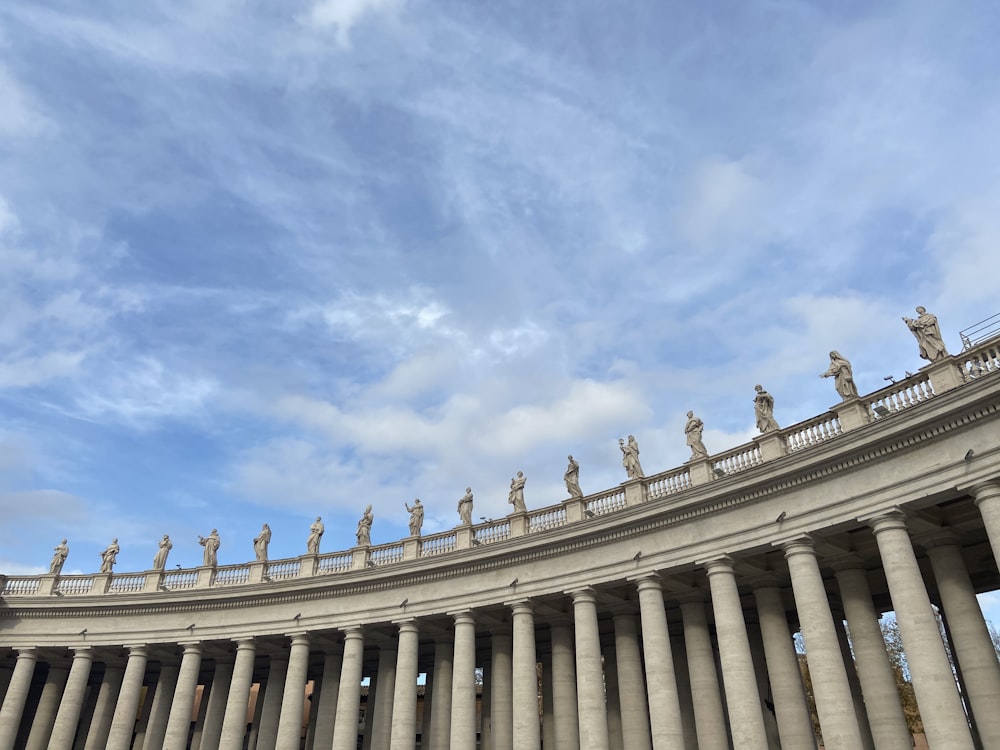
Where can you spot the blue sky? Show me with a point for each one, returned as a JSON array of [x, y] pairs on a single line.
[[267, 261]]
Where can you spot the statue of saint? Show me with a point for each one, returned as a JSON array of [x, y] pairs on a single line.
[[61, 551], [572, 478], [160, 560], [416, 512], [516, 495], [763, 407], [315, 534], [928, 334], [692, 433], [364, 532], [211, 543], [630, 457], [260, 543], [465, 507], [843, 376], [110, 556]]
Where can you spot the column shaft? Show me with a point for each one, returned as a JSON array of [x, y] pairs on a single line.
[[501, 680], [326, 711], [17, 695], [182, 705], [345, 730], [988, 501], [592, 714], [215, 706], [439, 732], [564, 702], [661, 685], [104, 711], [941, 709], [68, 716], [404, 712], [834, 703], [742, 697], [527, 730], [293, 704], [45, 712], [381, 706], [612, 699], [463, 693], [631, 685], [274, 693], [234, 723], [123, 723]]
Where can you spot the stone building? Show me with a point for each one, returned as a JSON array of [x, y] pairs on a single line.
[[656, 614]]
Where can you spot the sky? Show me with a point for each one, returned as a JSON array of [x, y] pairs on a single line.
[[268, 261]]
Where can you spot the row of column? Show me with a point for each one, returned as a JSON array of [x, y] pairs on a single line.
[[643, 690]]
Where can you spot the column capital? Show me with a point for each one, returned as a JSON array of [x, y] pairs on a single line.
[[986, 491], [136, 649], [27, 652], [353, 632], [409, 625], [648, 581], [891, 519], [244, 642], [936, 538], [800, 545], [521, 606], [845, 563], [298, 637], [586, 594], [82, 651], [720, 564]]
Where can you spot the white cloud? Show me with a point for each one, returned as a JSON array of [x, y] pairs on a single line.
[[344, 15], [32, 371], [20, 115]]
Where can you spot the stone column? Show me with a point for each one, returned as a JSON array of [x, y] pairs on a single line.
[[68, 715], [878, 684], [463, 691], [485, 662], [380, 704], [215, 705], [988, 501], [970, 638], [791, 710], [45, 712], [104, 711], [867, 739], [612, 697], [742, 697], [502, 691], [632, 686], [440, 718], [345, 730], [404, 712], [17, 695], [182, 706], [123, 723], [564, 702], [326, 711], [683, 680], [271, 700], [293, 703], [234, 723], [661, 685], [527, 731], [933, 681], [548, 709], [592, 713], [159, 710], [834, 703], [706, 694]]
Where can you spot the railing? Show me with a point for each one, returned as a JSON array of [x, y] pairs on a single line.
[[126, 584], [438, 544], [812, 432], [546, 518], [902, 395], [21, 586], [667, 483], [605, 502], [492, 532], [386, 554], [232, 575], [736, 460], [180, 579], [336, 562], [979, 361], [280, 570], [75, 585]]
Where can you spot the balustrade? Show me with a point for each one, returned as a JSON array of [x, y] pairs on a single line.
[[546, 518], [337, 562], [737, 459], [279, 570], [669, 482], [898, 396], [70, 585], [980, 360], [232, 575], [812, 432], [126, 584], [386, 554], [492, 532], [438, 544], [605, 502]]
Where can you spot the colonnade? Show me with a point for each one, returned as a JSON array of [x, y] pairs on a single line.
[[702, 658]]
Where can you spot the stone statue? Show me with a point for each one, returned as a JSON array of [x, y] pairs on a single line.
[[843, 376], [364, 533], [110, 556], [315, 534], [630, 457], [61, 551], [516, 495], [416, 512], [572, 478], [211, 543], [928, 333], [260, 543], [763, 407], [692, 434], [160, 560], [465, 507]]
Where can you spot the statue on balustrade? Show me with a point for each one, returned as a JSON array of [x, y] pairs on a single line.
[[465, 507], [516, 495], [692, 433], [843, 376], [364, 533], [315, 534], [160, 559], [61, 551], [630, 457], [110, 556], [260, 543], [416, 512], [928, 334], [763, 407], [211, 543], [572, 478]]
